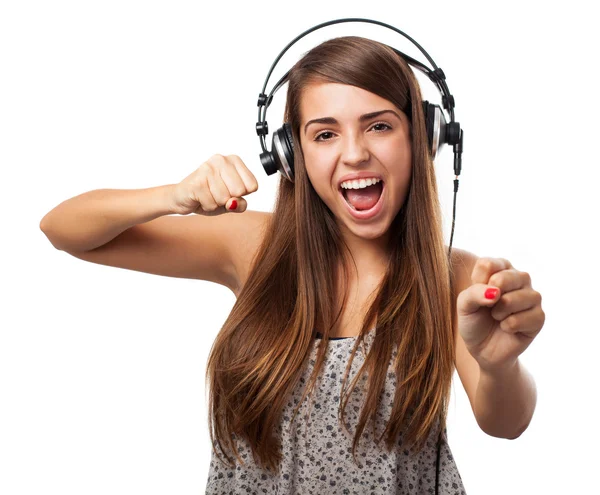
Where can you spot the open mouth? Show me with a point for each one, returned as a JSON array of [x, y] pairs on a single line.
[[363, 199]]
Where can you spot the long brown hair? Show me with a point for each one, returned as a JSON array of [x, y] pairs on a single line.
[[258, 357]]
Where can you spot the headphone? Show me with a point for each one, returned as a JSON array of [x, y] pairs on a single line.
[[439, 131]]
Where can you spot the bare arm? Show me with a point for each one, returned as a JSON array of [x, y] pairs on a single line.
[[177, 230], [92, 219]]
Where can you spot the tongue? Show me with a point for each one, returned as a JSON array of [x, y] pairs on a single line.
[[364, 199]]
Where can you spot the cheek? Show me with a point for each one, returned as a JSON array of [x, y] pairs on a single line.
[[399, 150], [322, 184], [320, 173]]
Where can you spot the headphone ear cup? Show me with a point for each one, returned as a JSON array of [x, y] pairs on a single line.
[[282, 151]]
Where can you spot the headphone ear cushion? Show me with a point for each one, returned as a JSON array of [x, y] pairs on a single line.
[[429, 114], [289, 149], [288, 133]]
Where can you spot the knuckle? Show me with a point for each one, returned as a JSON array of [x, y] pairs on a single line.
[[203, 179], [496, 279], [216, 160], [511, 323], [235, 159], [201, 169], [206, 179], [507, 299], [238, 192], [200, 178], [485, 263], [208, 164]]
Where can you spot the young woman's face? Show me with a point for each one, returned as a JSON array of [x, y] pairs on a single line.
[[379, 145]]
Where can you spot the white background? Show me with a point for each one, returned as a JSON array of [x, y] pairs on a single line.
[[102, 369]]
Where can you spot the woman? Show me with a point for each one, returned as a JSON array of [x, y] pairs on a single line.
[[347, 282], [390, 265]]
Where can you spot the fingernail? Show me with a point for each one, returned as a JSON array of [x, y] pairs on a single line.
[[233, 205], [491, 293]]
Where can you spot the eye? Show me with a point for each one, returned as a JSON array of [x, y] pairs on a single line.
[[383, 124], [329, 132], [322, 134]]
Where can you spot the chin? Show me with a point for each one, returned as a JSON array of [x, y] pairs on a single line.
[[367, 232]]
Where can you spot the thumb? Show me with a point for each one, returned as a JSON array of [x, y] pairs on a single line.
[[475, 296], [237, 205]]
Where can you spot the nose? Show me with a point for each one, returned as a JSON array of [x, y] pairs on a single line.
[[354, 149]]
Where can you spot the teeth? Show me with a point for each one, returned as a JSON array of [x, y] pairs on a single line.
[[359, 184]]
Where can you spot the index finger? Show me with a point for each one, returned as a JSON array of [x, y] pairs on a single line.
[[485, 267]]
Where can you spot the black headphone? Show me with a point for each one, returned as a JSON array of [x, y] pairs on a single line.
[[439, 131]]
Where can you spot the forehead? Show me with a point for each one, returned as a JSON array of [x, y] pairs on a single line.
[[339, 100]]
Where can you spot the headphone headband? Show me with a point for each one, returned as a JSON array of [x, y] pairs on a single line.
[[439, 132]]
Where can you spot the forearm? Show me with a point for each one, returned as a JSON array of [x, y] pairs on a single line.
[[505, 401], [96, 217]]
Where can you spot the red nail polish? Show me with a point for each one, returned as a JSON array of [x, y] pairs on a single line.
[[233, 205], [491, 293]]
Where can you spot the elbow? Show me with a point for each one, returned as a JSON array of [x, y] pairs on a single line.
[[44, 228], [503, 434], [520, 432]]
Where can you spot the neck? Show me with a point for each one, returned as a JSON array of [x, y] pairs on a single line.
[[371, 256]]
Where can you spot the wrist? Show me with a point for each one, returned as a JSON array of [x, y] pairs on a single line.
[[499, 371], [166, 199]]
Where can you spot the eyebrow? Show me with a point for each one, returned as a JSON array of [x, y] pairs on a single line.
[[362, 118]]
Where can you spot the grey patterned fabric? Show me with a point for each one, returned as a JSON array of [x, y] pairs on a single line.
[[318, 451]]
